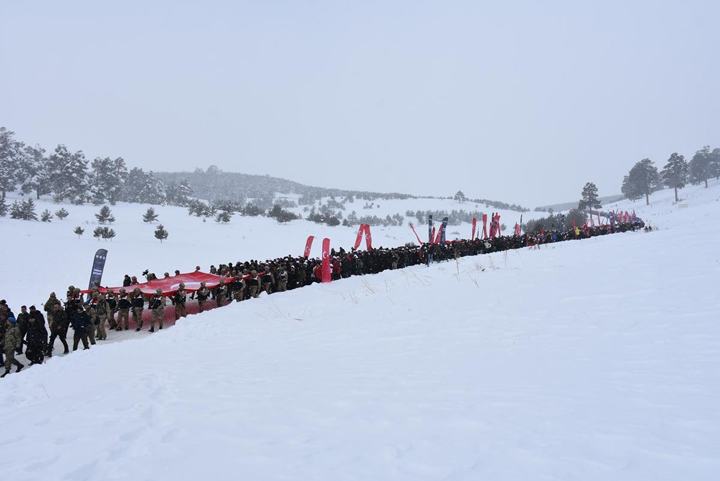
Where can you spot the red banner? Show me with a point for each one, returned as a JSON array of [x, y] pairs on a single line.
[[368, 237], [308, 246], [170, 285], [416, 234], [326, 276], [359, 237], [474, 227], [517, 229], [485, 236]]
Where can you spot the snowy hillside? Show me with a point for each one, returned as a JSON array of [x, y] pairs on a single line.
[[593, 360]]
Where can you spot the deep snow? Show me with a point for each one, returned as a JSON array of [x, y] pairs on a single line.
[[596, 359]]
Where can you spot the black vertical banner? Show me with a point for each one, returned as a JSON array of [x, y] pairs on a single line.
[[430, 241], [97, 268], [444, 228]]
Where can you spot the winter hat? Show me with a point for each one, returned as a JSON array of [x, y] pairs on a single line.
[[11, 319]]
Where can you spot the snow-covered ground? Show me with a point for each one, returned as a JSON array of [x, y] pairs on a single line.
[[588, 360]]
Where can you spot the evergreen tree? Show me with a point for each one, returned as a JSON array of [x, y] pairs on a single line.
[[108, 233], [715, 163], [46, 216], [675, 173], [589, 199], [222, 217], [179, 194], [460, 197], [35, 172], [108, 178], [161, 233], [23, 210], [79, 231], [68, 172], [3, 208], [10, 154], [98, 232], [642, 180], [143, 188], [105, 215], [701, 166], [150, 215], [62, 213]]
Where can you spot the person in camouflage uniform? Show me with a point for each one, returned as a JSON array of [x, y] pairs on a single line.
[[58, 328], [92, 312], [202, 295], [179, 300], [157, 304], [282, 280], [111, 300], [123, 311], [13, 341], [101, 311], [254, 284], [49, 307], [138, 303], [221, 292]]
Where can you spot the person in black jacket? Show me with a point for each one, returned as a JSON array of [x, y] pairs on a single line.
[[36, 339], [58, 328], [80, 323], [23, 322]]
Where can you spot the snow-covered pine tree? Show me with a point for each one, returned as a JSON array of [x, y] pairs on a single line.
[[675, 173], [642, 180], [222, 217], [23, 210], [143, 188], [35, 172], [98, 232], [150, 216], [9, 161], [161, 233], [46, 216], [105, 215], [62, 213], [108, 233], [701, 166], [79, 231], [589, 200], [3, 207], [69, 175]]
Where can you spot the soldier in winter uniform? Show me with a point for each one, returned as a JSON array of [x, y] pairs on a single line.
[[58, 328], [202, 295], [111, 300], [179, 300], [92, 312], [102, 310], [282, 280], [221, 292], [23, 322], [49, 307], [13, 341], [36, 339], [123, 311], [138, 303], [157, 304], [80, 323]]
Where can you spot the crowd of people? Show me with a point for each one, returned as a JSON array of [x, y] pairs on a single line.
[[91, 316]]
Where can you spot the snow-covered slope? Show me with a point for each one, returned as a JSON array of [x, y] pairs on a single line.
[[593, 360]]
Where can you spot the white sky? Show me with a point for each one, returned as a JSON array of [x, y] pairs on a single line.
[[515, 101]]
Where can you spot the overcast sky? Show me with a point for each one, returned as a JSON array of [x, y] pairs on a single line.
[[515, 101]]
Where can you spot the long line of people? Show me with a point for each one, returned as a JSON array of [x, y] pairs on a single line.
[[90, 318]]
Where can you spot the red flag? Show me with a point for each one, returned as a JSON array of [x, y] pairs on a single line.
[[474, 226], [439, 235], [416, 234], [517, 229], [326, 276], [485, 226], [368, 237], [308, 246], [359, 237]]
